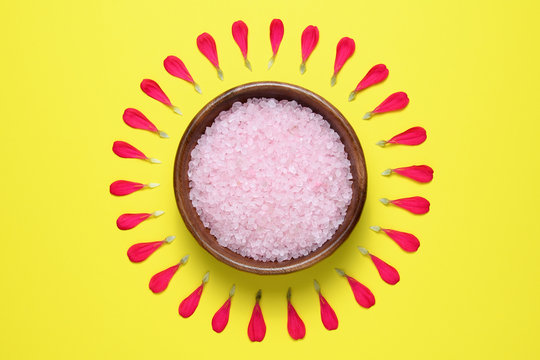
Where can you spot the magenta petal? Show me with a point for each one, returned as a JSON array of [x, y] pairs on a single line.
[[136, 119], [363, 296], [387, 272], [160, 281], [256, 326], [129, 221], [420, 173], [141, 251], [189, 304], [125, 150], [207, 46], [221, 317], [152, 89], [413, 136], [344, 50], [328, 315], [176, 67], [123, 187], [396, 101], [276, 34], [375, 75], [295, 325], [416, 204], [240, 35], [406, 241], [310, 38]]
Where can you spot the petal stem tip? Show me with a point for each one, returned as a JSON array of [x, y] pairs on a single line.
[[258, 295], [340, 272], [232, 291], [382, 143], [220, 74], [206, 277], [169, 239], [316, 286], [176, 110], [385, 201], [367, 116], [289, 294], [158, 213], [375, 228], [352, 95], [333, 80], [386, 172], [247, 64], [154, 161], [271, 62], [152, 185], [363, 250], [197, 88], [302, 68], [184, 260], [163, 134]]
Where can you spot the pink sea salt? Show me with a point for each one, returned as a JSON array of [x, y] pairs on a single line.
[[270, 179]]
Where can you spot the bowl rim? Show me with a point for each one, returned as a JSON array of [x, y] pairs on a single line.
[[202, 234]]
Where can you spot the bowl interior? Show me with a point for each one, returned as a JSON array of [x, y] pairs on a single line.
[[279, 91]]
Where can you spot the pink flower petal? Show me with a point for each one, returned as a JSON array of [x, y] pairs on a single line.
[[408, 242], [310, 38], [125, 150], [240, 36], [207, 46], [152, 89], [176, 67], [257, 326], [420, 173], [123, 187], [276, 35], [375, 75], [221, 317], [413, 136], [394, 102], [129, 221], [141, 251], [344, 50], [415, 204], [387, 272], [363, 296], [137, 120], [328, 315], [160, 281], [189, 304], [295, 325]]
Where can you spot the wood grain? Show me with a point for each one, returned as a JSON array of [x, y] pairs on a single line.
[[280, 91]]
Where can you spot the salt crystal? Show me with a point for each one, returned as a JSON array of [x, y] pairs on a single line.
[[270, 179]]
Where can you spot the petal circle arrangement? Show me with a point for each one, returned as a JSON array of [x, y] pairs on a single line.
[[206, 44]]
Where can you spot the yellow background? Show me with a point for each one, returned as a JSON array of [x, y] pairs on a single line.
[[69, 69]]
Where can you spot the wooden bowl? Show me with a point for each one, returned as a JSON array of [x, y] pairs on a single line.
[[279, 91]]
